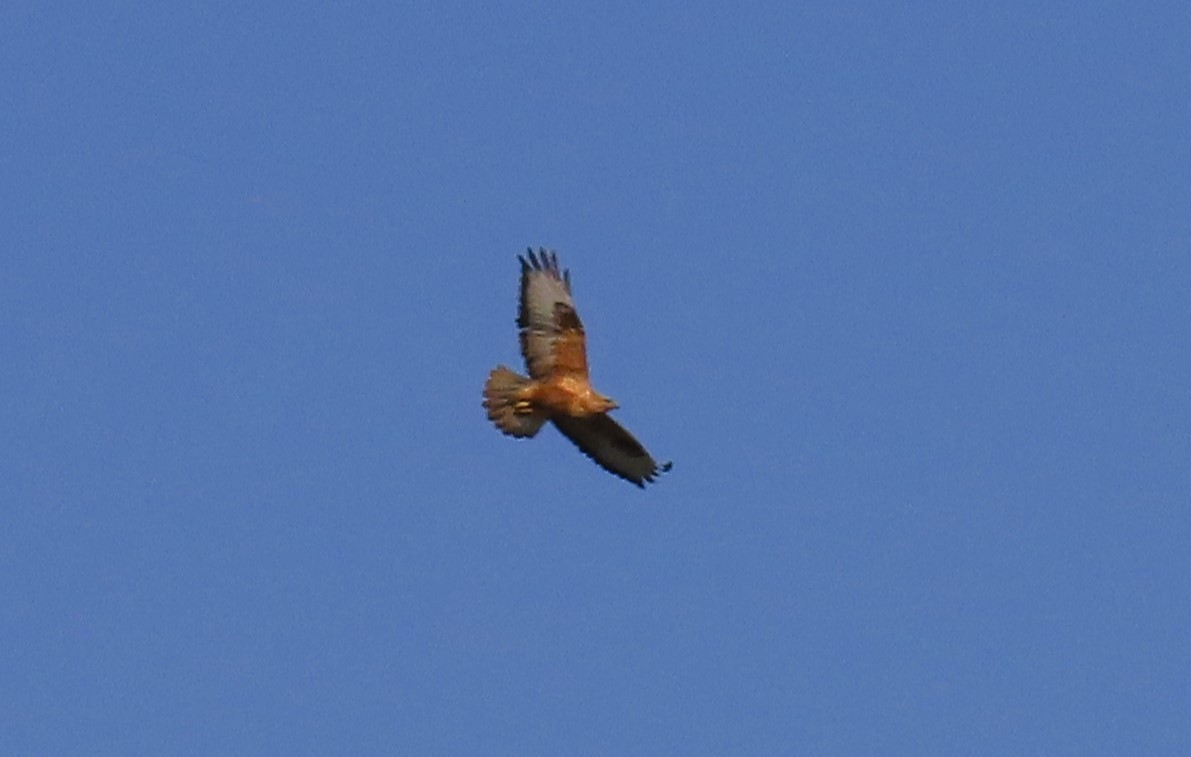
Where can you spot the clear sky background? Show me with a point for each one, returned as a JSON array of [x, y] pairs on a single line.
[[904, 290]]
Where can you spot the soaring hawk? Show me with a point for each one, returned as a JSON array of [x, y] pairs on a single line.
[[558, 388]]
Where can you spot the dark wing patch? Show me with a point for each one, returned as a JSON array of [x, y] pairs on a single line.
[[566, 318], [612, 447]]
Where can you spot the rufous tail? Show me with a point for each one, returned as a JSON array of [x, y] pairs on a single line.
[[503, 401]]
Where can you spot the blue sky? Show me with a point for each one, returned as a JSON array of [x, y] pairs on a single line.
[[903, 291]]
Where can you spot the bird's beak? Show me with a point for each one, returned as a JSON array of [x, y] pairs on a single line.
[[613, 404]]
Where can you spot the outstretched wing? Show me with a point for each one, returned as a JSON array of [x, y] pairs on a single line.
[[552, 339], [614, 449]]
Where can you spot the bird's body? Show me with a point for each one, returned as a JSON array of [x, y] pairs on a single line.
[[558, 388], [567, 395]]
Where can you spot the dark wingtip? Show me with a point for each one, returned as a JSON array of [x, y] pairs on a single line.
[[653, 475], [546, 261]]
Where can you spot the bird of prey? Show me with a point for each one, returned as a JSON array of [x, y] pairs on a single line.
[[558, 388]]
